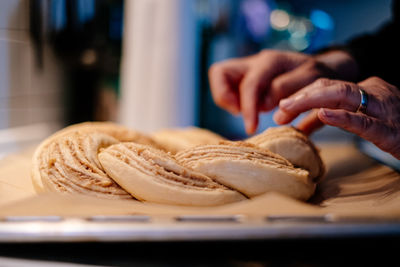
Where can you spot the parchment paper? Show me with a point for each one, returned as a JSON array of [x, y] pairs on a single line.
[[354, 186]]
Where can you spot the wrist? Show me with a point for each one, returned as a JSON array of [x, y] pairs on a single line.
[[341, 62]]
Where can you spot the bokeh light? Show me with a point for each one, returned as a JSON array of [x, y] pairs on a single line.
[[279, 19], [256, 13], [321, 19]]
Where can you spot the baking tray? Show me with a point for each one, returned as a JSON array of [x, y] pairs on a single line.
[[138, 228], [374, 152]]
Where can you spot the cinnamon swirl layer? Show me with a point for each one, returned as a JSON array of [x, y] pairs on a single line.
[[152, 175], [248, 169], [293, 145], [114, 130], [69, 164]]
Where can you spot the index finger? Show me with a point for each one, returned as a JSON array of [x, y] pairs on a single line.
[[224, 78], [321, 94]]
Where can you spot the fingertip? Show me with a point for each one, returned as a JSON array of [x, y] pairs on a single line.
[[286, 103], [310, 123], [250, 114], [280, 117], [250, 124], [250, 132], [306, 129], [326, 115], [235, 111], [227, 99], [232, 105]]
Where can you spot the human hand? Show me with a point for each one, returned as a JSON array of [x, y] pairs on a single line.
[[338, 101], [258, 82]]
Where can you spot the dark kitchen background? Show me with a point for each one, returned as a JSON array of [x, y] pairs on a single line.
[[60, 60]]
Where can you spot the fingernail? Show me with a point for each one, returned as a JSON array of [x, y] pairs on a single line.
[[326, 114], [249, 126], [279, 117], [322, 111], [234, 111], [286, 103]]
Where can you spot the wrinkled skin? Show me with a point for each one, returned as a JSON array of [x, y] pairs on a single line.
[[298, 83], [257, 83], [337, 102]]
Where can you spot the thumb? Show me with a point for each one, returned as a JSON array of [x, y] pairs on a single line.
[[310, 123]]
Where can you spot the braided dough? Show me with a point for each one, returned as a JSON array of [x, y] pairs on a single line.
[[69, 164], [248, 169], [293, 145], [110, 161], [152, 175], [117, 132]]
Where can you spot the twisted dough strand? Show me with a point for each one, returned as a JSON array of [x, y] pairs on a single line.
[[96, 159], [70, 165]]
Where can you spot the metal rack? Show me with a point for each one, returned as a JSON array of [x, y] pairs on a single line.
[[139, 228]]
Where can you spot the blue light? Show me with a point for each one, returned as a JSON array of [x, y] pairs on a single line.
[[321, 19], [58, 14], [86, 9]]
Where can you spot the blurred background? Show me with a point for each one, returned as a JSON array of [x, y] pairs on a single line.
[[144, 62]]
